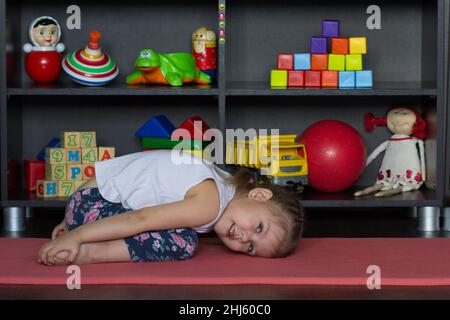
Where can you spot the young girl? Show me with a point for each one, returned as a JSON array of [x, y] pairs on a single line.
[[109, 218]]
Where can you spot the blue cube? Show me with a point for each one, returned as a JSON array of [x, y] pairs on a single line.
[[330, 28], [319, 45], [364, 79], [302, 61], [347, 79]]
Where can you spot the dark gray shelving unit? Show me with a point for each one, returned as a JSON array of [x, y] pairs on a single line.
[[409, 57]]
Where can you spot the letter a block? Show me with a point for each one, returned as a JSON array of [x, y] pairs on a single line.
[[88, 139], [55, 156], [89, 155], [106, 153], [88, 171], [74, 172], [73, 156], [70, 139], [55, 172], [66, 188]]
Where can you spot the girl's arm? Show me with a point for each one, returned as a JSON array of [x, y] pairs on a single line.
[[376, 152]]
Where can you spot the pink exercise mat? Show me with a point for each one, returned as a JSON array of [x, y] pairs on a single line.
[[321, 261]]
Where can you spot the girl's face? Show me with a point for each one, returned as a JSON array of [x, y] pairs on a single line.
[[248, 225], [45, 36], [401, 121]]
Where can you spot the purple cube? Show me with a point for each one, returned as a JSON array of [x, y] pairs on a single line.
[[330, 28], [319, 45]]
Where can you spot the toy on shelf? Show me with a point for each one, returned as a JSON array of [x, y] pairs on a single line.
[[279, 158], [159, 133], [90, 66], [204, 50], [333, 62], [34, 171], [43, 58], [71, 165], [336, 155], [403, 165], [173, 69]]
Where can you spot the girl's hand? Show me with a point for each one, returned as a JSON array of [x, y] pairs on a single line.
[[67, 242], [59, 229]]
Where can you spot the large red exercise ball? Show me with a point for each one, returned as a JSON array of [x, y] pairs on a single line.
[[336, 155]]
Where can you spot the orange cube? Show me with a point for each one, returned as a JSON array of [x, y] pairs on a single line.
[[340, 46], [319, 62], [330, 79]]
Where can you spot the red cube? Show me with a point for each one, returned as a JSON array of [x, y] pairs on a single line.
[[330, 79], [313, 79], [34, 170], [296, 78], [285, 61]]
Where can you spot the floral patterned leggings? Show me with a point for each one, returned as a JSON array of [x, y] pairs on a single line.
[[87, 206]]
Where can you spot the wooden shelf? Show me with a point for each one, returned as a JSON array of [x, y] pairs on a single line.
[[237, 88]]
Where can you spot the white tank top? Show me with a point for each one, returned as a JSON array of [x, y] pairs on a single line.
[[150, 178]]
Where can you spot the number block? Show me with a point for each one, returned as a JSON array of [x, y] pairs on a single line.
[[106, 153], [364, 79], [353, 62], [358, 45], [89, 155], [347, 79], [46, 189], [73, 156], [330, 79], [336, 62], [88, 139], [55, 172], [339, 46], [296, 78], [88, 171], [74, 172], [66, 188], [278, 78], [285, 61], [55, 155], [312, 79], [302, 61], [319, 62], [70, 139]]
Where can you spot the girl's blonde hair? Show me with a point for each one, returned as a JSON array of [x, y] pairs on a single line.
[[286, 207]]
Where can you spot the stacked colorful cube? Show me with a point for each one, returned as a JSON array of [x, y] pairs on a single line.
[[72, 164], [156, 134], [333, 62]]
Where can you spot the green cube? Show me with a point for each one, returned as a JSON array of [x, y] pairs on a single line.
[[353, 62], [336, 62], [278, 78]]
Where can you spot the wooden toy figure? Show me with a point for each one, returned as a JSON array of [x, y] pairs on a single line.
[[43, 59], [204, 50], [403, 165]]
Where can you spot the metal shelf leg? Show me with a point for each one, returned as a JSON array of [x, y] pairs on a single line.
[[428, 219], [14, 219]]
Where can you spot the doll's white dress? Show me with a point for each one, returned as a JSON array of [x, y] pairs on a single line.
[[402, 163]]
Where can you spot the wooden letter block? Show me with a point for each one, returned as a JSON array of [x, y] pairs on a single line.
[[55, 172], [73, 156], [46, 189], [88, 171], [319, 62], [89, 155], [70, 139], [88, 139], [106, 153], [66, 188], [78, 184], [74, 172], [55, 156]]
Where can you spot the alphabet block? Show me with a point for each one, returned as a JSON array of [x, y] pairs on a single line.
[[353, 62], [312, 79], [55, 155], [358, 45], [278, 78], [302, 61], [89, 155], [106, 153], [66, 188], [296, 78], [46, 189], [285, 61], [88, 139], [319, 62], [330, 79], [74, 172], [70, 139], [339, 46], [336, 62], [55, 172], [88, 171], [73, 156], [40, 188], [347, 79]]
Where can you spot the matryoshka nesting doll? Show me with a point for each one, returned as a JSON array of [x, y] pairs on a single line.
[[43, 59], [204, 50]]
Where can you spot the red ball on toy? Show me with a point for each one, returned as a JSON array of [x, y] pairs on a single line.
[[336, 155]]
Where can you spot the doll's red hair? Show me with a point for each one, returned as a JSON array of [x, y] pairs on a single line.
[[419, 128]]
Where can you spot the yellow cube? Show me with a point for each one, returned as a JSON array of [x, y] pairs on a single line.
[[88, 139], [74, 172], [89, 155], [358, 45], [336, 62], [278, 78], [353, 62], [66, 188], [55, 155], [70, 139], [106, 153], [55, 171]]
